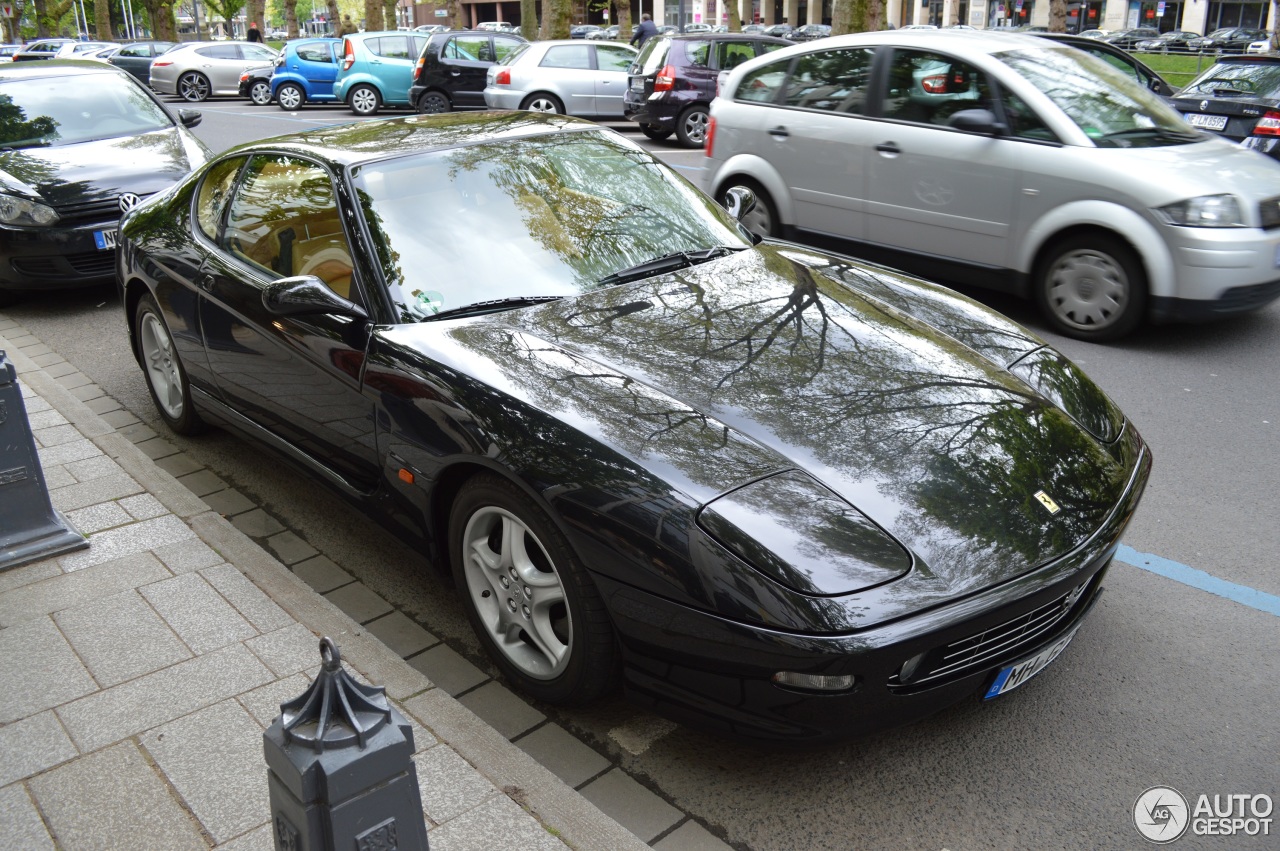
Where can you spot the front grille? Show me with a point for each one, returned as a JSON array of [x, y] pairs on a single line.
[[91, 212], [1002, 641], [1269, 211], [97, 264]]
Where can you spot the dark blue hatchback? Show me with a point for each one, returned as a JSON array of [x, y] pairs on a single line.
[[305, 72]]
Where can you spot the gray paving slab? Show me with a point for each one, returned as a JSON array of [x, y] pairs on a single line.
[[287, 651], [178, 465], [37, 350], [449, 784], [564, 754], [119, 419], [691, 836], [401, 633], [36, 571], [23, 827], [202, 482], [322, 574], [45, 419], [502, 710], [632, 805], [359, 602], [74, 496], [445, 668], [73, 380], [66, 453], [58, 370], [120, 637], [57, 477], [95, 518], [65, 590], [257, 523], [54, 435], [497, 823], [97, 467], [264, 703], [259, 839], [125, 540], [82, 802], [86, 392], [289, 548], [229, 502], [212, 757], [156, 448], [103, 405], [187, 556], [141, 704], [32, 745], [35, 655], [48, 359], [200, 616], [257, 608], [138, 432], [144, 506]]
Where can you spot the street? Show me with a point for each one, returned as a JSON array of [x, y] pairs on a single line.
[[1173, 680]]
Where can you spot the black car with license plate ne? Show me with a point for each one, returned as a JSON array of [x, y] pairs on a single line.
[[79, 143], [778, 493], [1237, 97]]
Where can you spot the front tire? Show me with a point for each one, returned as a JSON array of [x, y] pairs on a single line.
[[364, 101], [530, 600], [1092, 287], [434, 103], [764, 218], [655, 133], [290, 97], [691, 127], [543, 102], [193, 87], [166, 379], [260, 93]]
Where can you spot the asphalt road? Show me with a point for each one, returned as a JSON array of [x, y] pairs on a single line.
[[1166, 684]]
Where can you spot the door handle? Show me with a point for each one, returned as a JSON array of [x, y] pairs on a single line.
[[779, 132], [888, 148]]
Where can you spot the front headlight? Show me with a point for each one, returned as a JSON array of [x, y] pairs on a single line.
[[20, 211], [1207, 211]]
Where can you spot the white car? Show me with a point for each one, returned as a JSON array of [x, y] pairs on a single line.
[[1005, 161], [1263, 46], [198, 70], [570, 77]]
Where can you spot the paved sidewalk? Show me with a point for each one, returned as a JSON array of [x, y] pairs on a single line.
[[139, 674]]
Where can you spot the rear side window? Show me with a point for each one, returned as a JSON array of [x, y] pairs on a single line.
[[763, 84], [135, 50], [833, 80], [698, 53], [469, 48], [315, 53], [612, 57], [928, 88], [567, 56], [219, 51], [731, 54], [390, 47], [504, 47]]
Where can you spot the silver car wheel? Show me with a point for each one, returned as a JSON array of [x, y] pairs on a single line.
[[193, 87], [260, 93], [1087, 289], [695, 127], [364, 101], [517, 593], [162, 365], [542, 103], [289, 97]]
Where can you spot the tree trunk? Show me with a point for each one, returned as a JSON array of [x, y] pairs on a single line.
[[529, 19], [1057, 16], [291, 17], [389, 15], [842, 17], [256, 12], [160, 20], [333, 16], [622, 17], [555, 18], [735, 16], [102, 20], [372, 15]]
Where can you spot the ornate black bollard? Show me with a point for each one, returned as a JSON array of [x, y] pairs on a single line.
[[340, 768], [30, 527]]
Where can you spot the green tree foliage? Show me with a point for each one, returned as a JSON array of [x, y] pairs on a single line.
[[227, 10]]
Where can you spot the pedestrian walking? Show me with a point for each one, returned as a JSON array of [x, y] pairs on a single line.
[[646, 29], [254, 34]]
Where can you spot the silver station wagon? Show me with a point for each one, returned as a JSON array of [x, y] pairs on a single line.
[[1006, 162]]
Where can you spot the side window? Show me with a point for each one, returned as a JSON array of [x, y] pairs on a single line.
[[698, 53], [611, 57], [315, 53], [390, 47], [135, 50], [1120, 65], [834, 80], [567, 56], [466, 47], [219, 51], [214, 191], [929, 88], [284, 220], [770, 47], [255, 51], [504, 47], [731, 54], [1023, 122], [763, 84]]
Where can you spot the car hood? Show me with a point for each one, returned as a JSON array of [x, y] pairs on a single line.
[[96, 170], [782, 359]]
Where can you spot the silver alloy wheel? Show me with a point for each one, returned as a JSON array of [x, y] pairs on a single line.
[[364, 101], [164, 371], [260, 93], [193, 87], [542, 103], [695, 126], [290, 97], [1087, 289], [514, 587]]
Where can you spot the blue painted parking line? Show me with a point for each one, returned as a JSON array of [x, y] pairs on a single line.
[[1242, 594]]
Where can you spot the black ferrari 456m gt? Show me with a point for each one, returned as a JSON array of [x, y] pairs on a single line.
[[771, 491]]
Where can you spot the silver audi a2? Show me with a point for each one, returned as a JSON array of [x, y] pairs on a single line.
[[1002, 161]]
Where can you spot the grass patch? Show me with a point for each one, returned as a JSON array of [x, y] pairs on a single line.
[[1178, 70]]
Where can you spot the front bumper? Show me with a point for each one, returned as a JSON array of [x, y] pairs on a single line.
[[54, 258], [1218, 266]]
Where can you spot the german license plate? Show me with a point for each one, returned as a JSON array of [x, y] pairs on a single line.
[[1208, 122], [1018, 673], [105, 239]]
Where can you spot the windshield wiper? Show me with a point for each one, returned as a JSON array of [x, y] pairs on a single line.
[[492, 306], [669, 263]]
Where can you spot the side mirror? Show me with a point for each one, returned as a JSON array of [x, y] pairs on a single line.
[[307, 295], [977, 121], [190, 117], [739, 200]]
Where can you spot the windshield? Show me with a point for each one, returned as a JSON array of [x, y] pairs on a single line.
[[541, 216], [1253, 78], [62, 110], [1111, 109]]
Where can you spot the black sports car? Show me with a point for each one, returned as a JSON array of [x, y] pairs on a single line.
[[1237, 97], [80, 142], [777, 492]]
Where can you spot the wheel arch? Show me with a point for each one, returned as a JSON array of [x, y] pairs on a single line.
[[433, 90], [1121, 223], [133, 291], [758, 170]]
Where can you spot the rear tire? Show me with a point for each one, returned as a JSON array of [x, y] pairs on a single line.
[[691, 127], [543, 102], [193, 87], [162, 368], [434, 103], [764, 218], [364, 101], [1092, 287]]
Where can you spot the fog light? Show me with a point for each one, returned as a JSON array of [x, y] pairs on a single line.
[[815, 682], [909, 668]]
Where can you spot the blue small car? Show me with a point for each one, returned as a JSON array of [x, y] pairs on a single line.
[[305, 72], [377, 69]]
